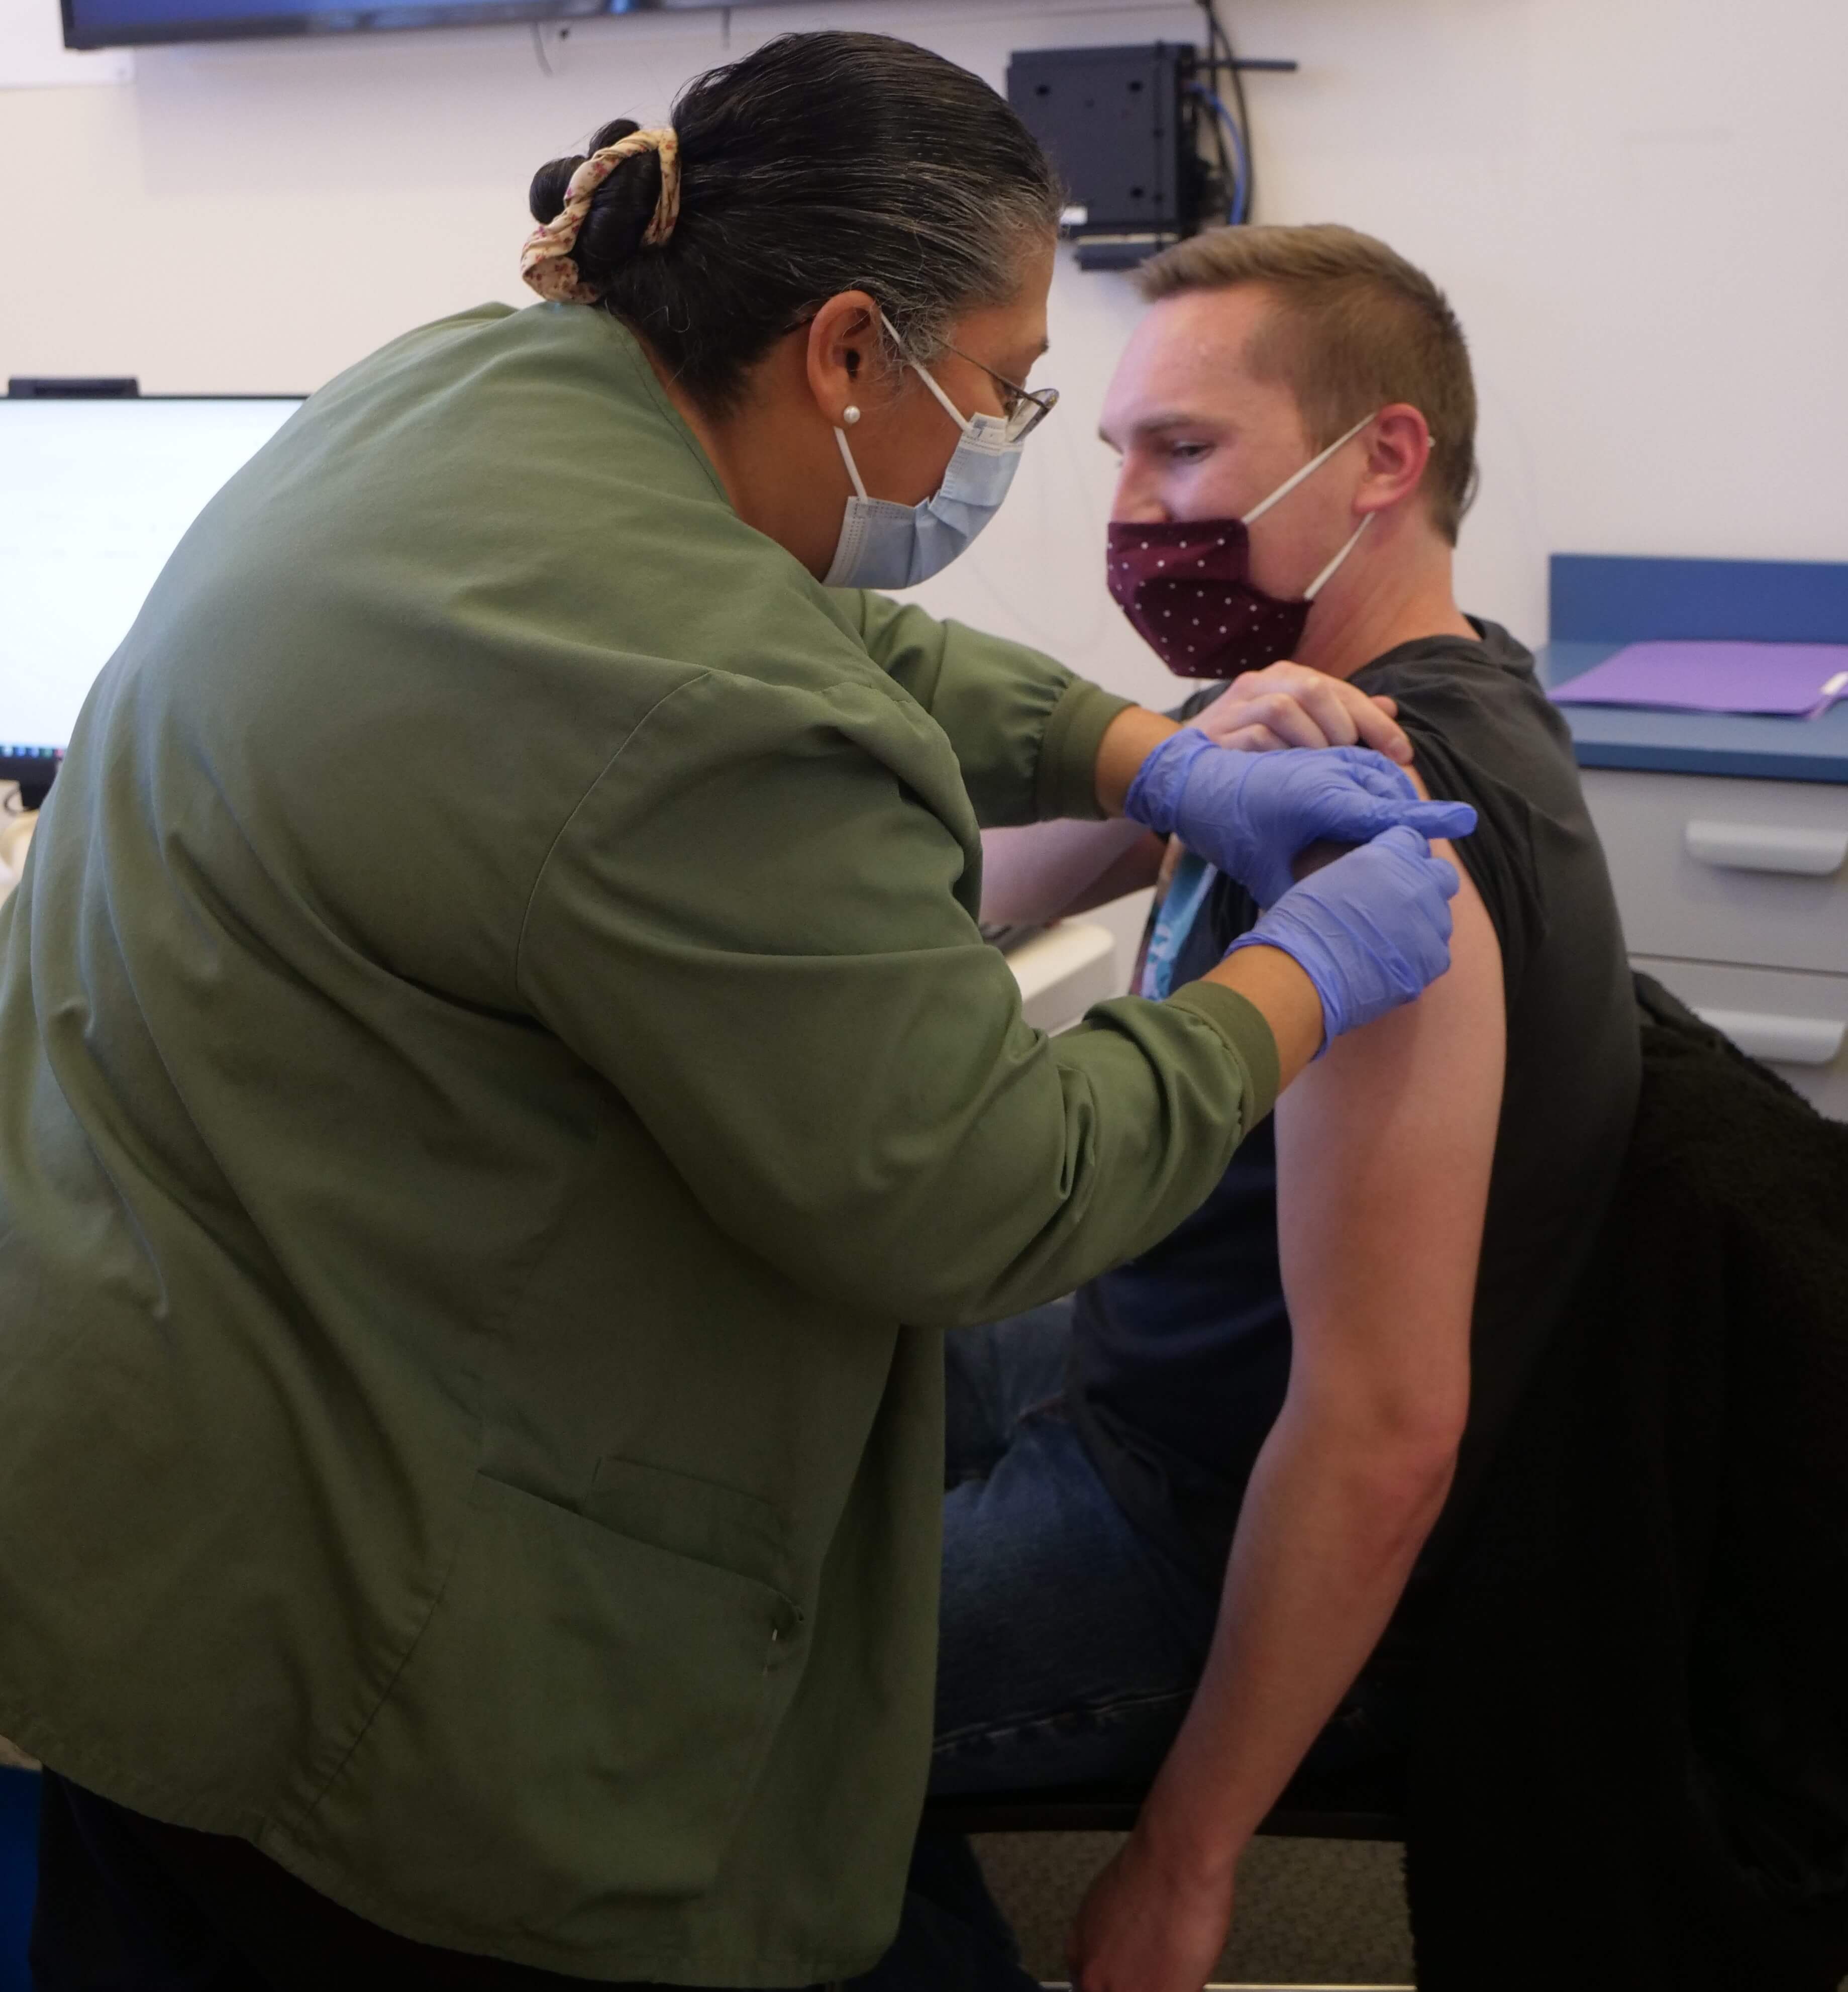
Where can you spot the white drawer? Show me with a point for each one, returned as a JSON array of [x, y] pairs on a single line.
[[1798, 1024], [1707, 869]]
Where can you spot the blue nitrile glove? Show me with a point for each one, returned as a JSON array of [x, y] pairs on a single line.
[[1371, 931], [1250, 813]]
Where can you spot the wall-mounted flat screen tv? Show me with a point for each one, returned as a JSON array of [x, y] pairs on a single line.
[[114, 24]]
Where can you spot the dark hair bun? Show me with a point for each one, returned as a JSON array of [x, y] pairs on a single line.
[[620, 210]]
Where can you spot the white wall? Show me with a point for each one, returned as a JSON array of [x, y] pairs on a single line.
[[1639, 207]]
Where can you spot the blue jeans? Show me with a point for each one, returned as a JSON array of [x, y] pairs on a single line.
[[1069, 1645]]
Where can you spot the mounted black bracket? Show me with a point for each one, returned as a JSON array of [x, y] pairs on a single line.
[[1123, 126]]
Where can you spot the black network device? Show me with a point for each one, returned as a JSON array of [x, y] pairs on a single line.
[[1120, 124]]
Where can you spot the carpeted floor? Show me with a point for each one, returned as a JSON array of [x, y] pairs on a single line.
[[1310, 1911]]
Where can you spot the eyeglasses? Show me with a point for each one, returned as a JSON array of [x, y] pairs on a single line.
[[1023, 409]]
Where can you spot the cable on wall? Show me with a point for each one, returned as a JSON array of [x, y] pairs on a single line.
[[1235, 169], [1232, 121]]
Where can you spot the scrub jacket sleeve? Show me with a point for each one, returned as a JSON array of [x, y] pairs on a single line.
[[1025, 729], [750, 926]]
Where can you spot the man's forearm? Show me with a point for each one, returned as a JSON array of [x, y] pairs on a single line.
[[1041, 871], [1326, 1537]]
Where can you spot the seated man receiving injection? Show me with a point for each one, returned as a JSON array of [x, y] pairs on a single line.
[[1186, 1504]]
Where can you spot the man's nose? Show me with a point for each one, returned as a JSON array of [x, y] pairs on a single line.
[[1138, 501]]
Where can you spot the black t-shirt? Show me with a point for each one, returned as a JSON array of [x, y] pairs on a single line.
[[1181, 1359]]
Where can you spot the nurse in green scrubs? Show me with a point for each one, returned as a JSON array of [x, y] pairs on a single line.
[[500, 1085]]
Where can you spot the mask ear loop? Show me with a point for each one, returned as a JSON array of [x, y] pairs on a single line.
[[963, 421], [1327, 573], [1314, 464], [847, 455], [853, 469]]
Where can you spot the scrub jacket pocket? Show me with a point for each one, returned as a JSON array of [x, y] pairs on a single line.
[[582, 1709]]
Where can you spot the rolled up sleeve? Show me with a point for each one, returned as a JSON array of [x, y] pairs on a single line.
[[1025, 729]]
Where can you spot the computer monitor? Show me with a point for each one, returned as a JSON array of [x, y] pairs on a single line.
[[94, 495]]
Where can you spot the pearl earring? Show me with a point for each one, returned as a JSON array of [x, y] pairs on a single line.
[[849, 414]]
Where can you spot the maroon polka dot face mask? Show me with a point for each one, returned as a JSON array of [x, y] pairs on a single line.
[[1186, 585]]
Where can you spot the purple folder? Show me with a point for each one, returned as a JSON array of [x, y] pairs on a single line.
[[1799, 681]]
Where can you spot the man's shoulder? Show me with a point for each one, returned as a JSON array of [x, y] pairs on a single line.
[[1491, 670], [1479, 705]]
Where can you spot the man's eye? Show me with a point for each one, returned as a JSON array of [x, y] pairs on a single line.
[[1188, 452]]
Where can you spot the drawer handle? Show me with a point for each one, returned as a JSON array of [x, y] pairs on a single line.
[[1788, 1040], [1767, 847]]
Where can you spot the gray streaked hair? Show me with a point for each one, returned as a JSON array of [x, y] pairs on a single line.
[[824, 163]]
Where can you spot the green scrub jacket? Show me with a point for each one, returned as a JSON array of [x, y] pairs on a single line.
[[499, 1082]]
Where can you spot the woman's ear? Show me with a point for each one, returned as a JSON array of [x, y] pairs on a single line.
[[842, 353], [1398, 448]]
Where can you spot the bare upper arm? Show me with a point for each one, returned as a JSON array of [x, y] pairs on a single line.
[[1384, 1150]]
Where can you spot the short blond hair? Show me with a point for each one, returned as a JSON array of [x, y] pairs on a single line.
[[1355, 326]]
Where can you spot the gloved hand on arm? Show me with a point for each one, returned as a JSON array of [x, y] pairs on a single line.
[[1249, 814], [1371, 931]]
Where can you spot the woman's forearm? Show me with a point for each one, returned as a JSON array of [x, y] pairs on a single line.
[[1128, 740], [1278, 989]]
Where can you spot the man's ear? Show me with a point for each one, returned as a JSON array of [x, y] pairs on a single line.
[[844, 352], [1399, 446]]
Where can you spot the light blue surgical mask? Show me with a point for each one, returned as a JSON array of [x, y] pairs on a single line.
[[884, 545]]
